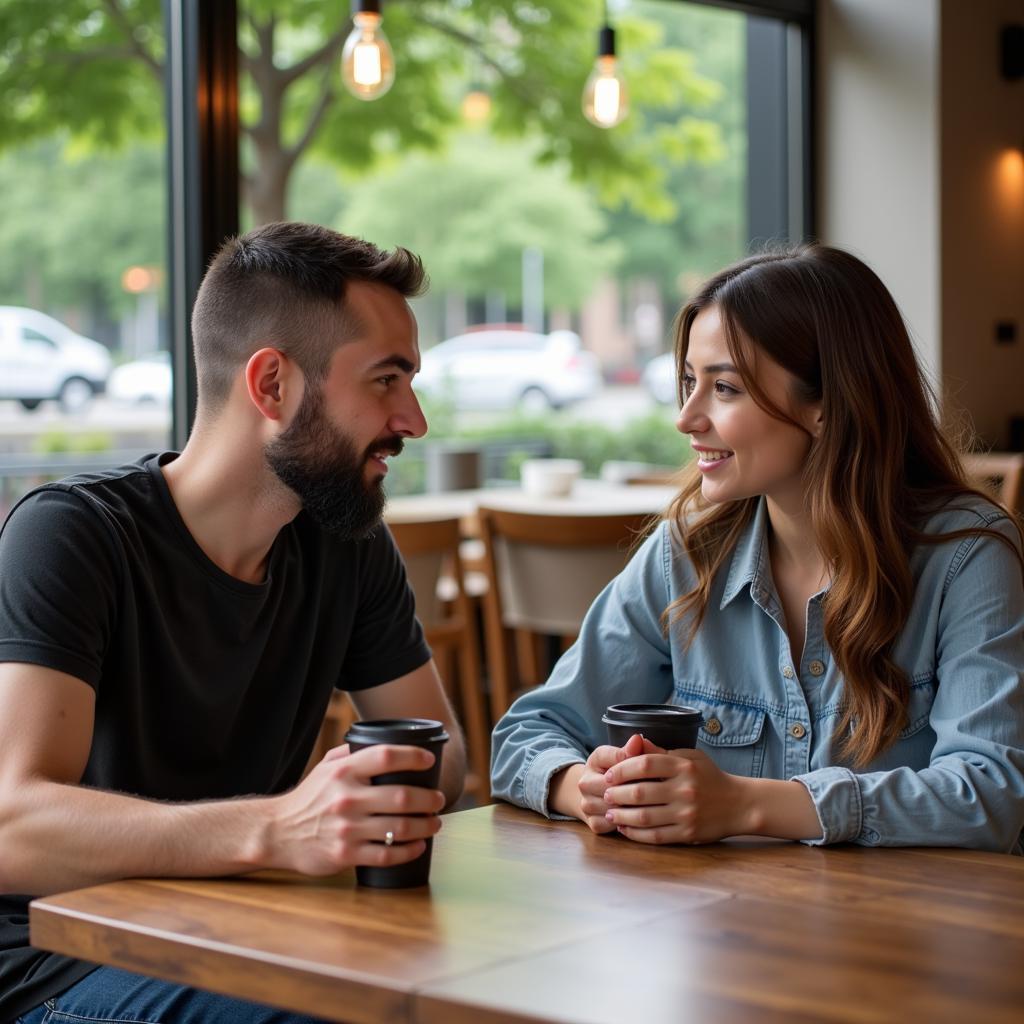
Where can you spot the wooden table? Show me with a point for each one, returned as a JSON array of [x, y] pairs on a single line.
[[528, 920]]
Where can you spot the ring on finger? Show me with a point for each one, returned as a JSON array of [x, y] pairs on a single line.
[[389, 838]]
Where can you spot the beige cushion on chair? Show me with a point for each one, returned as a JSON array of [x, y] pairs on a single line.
[[549, 590]]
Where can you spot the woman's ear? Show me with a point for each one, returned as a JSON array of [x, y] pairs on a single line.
[[270, 378], [814, 419]]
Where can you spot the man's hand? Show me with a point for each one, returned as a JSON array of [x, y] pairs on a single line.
[[335, 818], [677, 797]]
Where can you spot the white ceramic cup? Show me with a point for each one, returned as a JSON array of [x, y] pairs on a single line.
[[549, 478]]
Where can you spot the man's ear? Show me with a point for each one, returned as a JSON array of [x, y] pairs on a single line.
[[270, 379]]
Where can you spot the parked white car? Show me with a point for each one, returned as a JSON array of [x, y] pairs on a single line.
[[659, 377], [41, 358], [145, 381], [508, 368]]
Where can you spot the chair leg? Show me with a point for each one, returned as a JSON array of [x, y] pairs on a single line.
[[478, 735]]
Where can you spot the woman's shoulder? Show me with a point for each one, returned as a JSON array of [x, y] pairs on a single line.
[[966, 511]]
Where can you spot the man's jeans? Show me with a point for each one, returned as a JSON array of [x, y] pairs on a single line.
[[109, 994]]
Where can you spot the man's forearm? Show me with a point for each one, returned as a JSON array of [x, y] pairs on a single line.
[[55, 837]]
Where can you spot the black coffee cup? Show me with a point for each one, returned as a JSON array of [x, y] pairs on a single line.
[[666, 725], [403, 732]]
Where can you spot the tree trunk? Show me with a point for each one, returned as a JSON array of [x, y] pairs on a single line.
[[267, 190]]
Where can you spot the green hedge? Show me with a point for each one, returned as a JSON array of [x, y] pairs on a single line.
[[651, 438]]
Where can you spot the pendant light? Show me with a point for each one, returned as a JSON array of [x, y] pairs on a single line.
[[367, 63], [605, 102]]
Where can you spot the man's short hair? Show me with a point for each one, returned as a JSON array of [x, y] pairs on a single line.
[[284, 284]]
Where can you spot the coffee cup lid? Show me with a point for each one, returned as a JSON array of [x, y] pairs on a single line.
[[413, 731], [641, 715]]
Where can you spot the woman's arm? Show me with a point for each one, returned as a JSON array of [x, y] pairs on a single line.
[[972, 792], [621, 656]]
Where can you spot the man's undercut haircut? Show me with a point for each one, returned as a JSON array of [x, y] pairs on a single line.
[[283, 285]]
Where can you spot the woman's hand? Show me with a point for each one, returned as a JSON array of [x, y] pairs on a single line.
[[678, 797], [593, 782]]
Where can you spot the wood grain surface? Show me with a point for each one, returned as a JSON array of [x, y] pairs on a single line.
[[530, 920]]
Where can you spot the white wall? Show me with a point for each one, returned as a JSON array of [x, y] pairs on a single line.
[[878, 153], [921, 172]]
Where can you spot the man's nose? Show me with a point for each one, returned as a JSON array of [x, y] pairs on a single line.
[[408, 420]]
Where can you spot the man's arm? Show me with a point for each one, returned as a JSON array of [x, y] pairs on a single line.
[[420, 694], [56, 834]]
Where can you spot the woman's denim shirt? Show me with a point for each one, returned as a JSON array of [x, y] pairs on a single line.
[[954, 777]]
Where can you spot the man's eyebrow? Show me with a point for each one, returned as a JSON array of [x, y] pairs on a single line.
[[400, 362], [714, 367]]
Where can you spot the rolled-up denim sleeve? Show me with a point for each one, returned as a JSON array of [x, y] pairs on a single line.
[[971, 794], [621, 655]]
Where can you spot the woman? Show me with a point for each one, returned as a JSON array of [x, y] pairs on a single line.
[[843, 608]]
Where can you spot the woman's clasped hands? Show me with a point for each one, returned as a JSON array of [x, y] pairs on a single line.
[[652, 795]]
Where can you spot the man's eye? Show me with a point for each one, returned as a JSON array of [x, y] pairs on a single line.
[[388, 380]]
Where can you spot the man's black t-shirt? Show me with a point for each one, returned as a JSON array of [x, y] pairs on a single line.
[[206, 686]]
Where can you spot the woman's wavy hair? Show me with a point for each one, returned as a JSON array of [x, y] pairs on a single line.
[[880, 465]]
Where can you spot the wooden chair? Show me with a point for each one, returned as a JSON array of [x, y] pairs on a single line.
[[1002, 473], [430, 550], [544, 572]]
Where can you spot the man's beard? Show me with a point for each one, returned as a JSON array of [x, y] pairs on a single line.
[[321, 465]]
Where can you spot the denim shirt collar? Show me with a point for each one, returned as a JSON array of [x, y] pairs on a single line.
[[750, 565]]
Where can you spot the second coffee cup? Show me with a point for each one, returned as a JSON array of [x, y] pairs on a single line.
[[665, 725], [404, 732]]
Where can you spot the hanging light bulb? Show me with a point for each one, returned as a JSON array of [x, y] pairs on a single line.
[[605, 102], [367, 63]]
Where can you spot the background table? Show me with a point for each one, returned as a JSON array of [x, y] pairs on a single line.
[[528, 920], [589, 497]]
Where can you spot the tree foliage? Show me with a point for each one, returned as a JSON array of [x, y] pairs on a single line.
[[95, 68], [487, 202]]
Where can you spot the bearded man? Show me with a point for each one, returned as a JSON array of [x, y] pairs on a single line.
[[174, 629]]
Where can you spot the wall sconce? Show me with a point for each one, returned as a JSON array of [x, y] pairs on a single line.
[[1011, 52], [367, 63], [605, 102]]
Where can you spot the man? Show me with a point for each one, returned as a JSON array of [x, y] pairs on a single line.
[[171, 631]]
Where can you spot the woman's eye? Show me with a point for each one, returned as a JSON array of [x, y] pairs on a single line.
[[689, 383], [725, 390]]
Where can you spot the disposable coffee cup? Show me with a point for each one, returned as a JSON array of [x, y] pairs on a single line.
[[404, 732], [665, 725]]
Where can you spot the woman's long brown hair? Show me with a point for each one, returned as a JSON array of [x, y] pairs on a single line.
[[880, 466]]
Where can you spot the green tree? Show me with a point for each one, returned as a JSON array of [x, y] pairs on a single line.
[[488, 201], [96, 68], [74, 221]]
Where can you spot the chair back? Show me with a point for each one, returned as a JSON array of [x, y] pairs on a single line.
[[430, 550], [1001, 473], [544, 571]]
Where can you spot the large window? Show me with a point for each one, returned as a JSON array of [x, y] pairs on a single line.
[[84, 375]]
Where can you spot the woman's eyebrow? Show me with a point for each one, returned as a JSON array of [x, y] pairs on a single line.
[[714, 367]]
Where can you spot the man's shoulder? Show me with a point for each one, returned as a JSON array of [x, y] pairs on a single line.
[[119, 493]]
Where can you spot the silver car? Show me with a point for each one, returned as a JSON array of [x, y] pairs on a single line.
[[41, 358], [507, 368]]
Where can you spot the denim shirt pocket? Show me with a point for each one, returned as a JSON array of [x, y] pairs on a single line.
[[732, 734]]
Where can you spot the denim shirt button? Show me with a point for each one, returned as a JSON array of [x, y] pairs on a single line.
[[797, 731], [816, 667], [787, 672], [712, 726]]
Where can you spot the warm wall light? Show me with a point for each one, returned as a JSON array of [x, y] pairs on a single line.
[[367, 63], [605, 102]]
